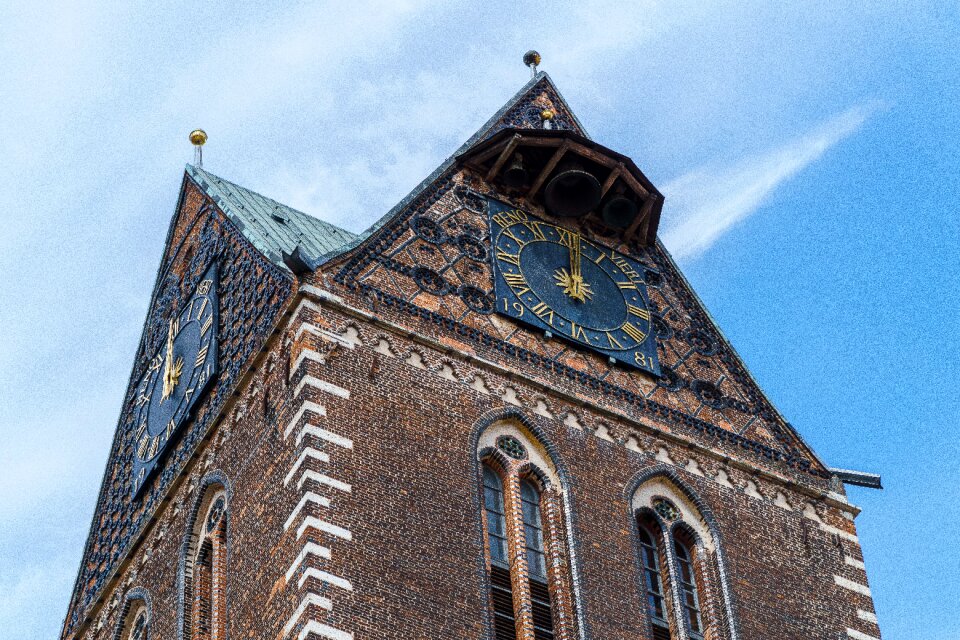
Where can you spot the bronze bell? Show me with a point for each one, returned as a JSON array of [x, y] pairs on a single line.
[[619, 211], [515, 175], [572, 192]]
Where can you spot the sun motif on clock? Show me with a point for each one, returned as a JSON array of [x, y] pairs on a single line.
[[552, 278], [177, 377]]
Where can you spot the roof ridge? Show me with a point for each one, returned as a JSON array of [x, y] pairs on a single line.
[[274, 228], [309, 216]]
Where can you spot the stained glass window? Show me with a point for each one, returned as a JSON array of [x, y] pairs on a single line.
[[512, 447], [665, 509]]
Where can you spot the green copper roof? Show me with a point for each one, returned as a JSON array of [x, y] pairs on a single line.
[[273, 228]]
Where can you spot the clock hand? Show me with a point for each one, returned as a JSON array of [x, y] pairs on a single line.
[[168, 382], [576, 275]]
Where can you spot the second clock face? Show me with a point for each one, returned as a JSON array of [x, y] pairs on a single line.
[[551, 277], [176, 378]]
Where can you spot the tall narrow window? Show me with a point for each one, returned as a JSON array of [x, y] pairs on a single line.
[[536, 561], [687, 581], [204, 605], [681, 557], [501, 587], [531, 591], [653, 581]]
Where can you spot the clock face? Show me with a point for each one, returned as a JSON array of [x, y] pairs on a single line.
[[552, 278], [176, 378]]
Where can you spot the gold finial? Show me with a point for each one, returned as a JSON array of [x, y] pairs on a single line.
[[532, 59], [198, 137]]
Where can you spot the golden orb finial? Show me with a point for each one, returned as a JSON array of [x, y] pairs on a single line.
[[198, 137], [531, 58]]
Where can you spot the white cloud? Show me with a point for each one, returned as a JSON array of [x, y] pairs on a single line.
[[705, 203]]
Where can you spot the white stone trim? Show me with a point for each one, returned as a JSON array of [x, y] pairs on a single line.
[[324, 631], [313, 430], [323, 334], [321, 385], [323, 576], [840, 532], [309, 452], [310, 474], [312, 407], [309, 599], [311, 522], [859, 635], [867, 615], [307, 498], [323, 294], [306, 354], [309, 549], [852, 586], [305, 303], [853, 562]]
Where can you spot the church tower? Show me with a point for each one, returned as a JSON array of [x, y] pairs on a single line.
[[500, 413]]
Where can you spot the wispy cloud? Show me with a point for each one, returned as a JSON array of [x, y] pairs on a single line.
[[707, 202]]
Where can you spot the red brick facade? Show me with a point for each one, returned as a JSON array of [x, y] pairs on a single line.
[[348, 455]]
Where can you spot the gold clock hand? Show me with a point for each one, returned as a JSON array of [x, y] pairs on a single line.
[[576, 274], [168, 368]]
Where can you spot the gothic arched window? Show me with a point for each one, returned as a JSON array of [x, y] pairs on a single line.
[[678, 551], [204, 592], [526, 540]]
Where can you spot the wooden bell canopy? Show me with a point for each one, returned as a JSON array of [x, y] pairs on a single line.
[[572, 176]]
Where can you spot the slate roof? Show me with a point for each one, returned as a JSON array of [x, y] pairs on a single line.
[[273, 228]]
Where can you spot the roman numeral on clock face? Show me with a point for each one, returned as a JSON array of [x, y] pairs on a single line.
[[543, 312], [638, 311], [633, 332], [511, 258], [517, 280]]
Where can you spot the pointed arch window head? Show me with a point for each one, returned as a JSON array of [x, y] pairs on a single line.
[[135, 619], [679, 549], [524, 526]]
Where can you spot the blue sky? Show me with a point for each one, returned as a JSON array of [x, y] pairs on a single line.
[[808, 154]]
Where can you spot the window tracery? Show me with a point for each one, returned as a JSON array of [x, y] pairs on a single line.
[[525, 539], [678, 552]]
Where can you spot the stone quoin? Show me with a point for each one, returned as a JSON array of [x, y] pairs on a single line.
[[476, 419]]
